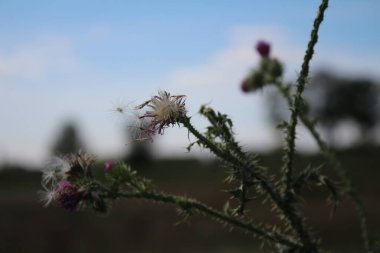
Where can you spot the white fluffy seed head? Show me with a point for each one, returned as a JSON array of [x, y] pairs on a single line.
[[161, 111], [166, 108], [54, 170], [47, 196]]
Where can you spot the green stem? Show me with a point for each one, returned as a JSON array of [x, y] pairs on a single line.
[[226, 133], [227, 156], [297, 102], [219, 152], [337, 166], [289, 212], [193, 205]]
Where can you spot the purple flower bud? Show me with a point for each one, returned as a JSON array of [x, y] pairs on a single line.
[[245, 85], [68, 195], [108, 166], [263, 48]]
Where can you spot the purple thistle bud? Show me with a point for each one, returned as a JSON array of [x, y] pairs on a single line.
[[263, 48], [252, 82], [68, 195], [245, 85], [108, 166]]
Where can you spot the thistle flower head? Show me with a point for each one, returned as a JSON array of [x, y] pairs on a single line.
[[68, 195], [65, 180], [80, 165], [108, 166], [263, 48], [164, 110]]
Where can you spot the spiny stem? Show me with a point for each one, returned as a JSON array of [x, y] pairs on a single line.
[[289, 212], [208, 143], [226, 133], [225, 155], [193, 205], [337, 166], [297, 102]]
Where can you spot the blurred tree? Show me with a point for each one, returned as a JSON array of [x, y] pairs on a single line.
[[140, 152], [336, 100], [68, 141]]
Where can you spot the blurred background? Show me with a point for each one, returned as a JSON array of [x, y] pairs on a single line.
[[65, 66]]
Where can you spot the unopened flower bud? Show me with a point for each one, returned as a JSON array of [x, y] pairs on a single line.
[[257, 80], [275, 68], [253, 82], [263, 48], [265, 65], [245, 85], [108, 166]]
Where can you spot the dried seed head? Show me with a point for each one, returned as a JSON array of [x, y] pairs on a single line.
[[47, 196], [80, 165], [164, 110], [54, 170]]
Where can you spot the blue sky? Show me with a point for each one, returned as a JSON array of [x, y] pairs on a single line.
[[73, 60]]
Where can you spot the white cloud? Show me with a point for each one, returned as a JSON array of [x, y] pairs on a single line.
[[38, 59], [216, 80]]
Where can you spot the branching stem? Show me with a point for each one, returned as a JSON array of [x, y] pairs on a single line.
[[289, 212], [337, 166], [297, 101], [196, 206]]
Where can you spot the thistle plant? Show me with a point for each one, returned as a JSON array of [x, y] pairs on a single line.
[[69, 181]]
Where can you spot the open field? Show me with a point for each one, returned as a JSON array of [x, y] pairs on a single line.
[[139, 226]]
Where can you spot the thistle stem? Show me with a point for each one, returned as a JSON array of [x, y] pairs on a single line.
[[193, 205], [337, 166], [296, 220], [289, 212], [297, 102], [226, 155]]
